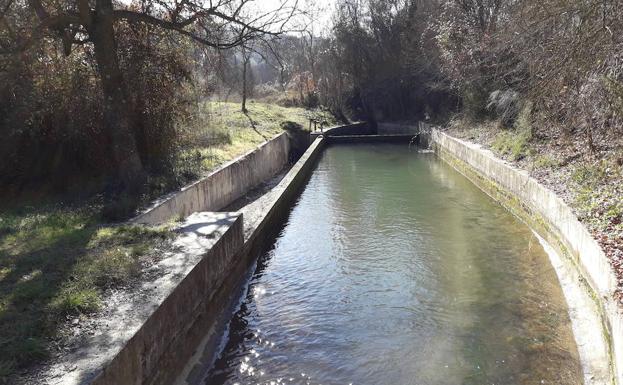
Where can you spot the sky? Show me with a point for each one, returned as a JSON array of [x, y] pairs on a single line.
[[324, 10]]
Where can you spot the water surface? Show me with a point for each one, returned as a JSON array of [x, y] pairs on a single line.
[[395, 269]]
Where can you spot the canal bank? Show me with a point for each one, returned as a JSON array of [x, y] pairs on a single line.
[[146, 335]]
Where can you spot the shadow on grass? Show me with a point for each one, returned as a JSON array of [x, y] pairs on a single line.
[[32, 281], [54, 266], [254, 125]]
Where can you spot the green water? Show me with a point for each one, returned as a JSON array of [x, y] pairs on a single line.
[[395, 269]]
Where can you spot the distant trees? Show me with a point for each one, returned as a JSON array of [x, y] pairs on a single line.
[[561, 57], [379, 48], [95, 87], [560, 61], [572, 52]]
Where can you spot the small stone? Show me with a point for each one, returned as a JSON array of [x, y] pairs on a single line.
[[75, 321]]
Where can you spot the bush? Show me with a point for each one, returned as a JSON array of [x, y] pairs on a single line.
[[474, 103], [505, 104], [51, 106], [291, 126], [311, 100]]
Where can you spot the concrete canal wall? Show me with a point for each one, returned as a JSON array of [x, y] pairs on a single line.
[[259, 233], [357, 128], [224, 185], [586, 275], [181, 308], [387, 128]]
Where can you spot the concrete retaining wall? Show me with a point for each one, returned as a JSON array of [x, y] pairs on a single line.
[[224, 185], [411, 139], [359, 128], [554, 221], [156, 352], [283, 196], [213, 260]]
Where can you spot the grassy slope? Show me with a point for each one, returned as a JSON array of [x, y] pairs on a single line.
[[57, 262], [232, 133]]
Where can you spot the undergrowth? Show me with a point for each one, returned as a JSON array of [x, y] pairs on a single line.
[[513, 144], [598, 193]]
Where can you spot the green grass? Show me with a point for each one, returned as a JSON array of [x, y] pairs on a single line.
[[513, 144], [230, 133], [598, 193], [56, 264], [545, 161]]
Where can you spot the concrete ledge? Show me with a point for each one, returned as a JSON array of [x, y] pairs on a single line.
[[224, 185], [160, 347], [554, 221], [143, 334], [282, 197], [388, 128]]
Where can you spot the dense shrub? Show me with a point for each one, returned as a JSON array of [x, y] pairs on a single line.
[[561, 56], [51, 108], [506, 105], [51, 113]]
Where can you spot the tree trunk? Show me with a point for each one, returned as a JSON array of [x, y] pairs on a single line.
[[244, 84], [245, 63], [117, 122]]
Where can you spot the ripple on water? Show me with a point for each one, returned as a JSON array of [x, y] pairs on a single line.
[[394, 269]]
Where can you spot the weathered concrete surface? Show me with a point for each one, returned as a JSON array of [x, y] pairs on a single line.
[[596, 317], [224, 185], [144, 337], [265, 217]]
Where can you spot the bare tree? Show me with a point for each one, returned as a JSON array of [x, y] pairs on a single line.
[[246, 58]]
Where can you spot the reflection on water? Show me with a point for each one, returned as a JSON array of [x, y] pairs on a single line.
[[394, 269]]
